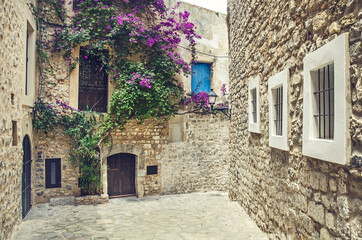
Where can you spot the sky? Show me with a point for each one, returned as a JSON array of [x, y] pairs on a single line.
[[215, 5]]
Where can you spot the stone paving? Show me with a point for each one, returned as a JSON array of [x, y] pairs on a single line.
[[195, 216]]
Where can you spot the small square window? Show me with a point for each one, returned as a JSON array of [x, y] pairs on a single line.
[[152, 170], [325, 111], [53, 173], [278, 110], [254, 107]]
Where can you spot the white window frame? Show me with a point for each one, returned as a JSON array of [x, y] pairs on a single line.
[[281, 79], [28, 96], [254, 127], [338, 149]]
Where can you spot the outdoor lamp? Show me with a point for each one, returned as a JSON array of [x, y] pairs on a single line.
[[212, 98]]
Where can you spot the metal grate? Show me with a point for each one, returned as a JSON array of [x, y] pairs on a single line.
[[278, 111], [253, 103], [324, 98]]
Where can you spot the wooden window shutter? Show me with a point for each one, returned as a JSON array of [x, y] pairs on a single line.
[[93, 83]]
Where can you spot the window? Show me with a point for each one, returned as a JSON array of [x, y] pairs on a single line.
[[201, 77], [93, 83], [15, 133], [30, 64], [152, 170], [27, 61], [324, 100], [75, 4], [254, 113], [278, 110], [53, 173], [325, 111]]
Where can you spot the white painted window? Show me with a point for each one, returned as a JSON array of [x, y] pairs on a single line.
[[278, 110], [326, 102], [254, 106], [30, 62]]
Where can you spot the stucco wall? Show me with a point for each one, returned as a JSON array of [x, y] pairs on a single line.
[[292, 196], [13, 22], [212, 48]]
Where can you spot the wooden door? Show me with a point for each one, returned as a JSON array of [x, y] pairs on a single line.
[[26, 177], [121, 175]]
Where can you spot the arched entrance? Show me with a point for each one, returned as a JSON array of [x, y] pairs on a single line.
[[121, 174], [26, 178]]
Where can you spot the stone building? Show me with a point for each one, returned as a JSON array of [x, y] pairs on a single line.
[[295, 133], [17, 95], [186, 154]]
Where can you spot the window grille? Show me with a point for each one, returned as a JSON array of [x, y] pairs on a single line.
[[27, 61], [253, 102], [324, 97], [279, 111]]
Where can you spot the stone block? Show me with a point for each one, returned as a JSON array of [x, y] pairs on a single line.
[[342, 202], [324, 235], [330, 221], [316, 211], [62, 201]]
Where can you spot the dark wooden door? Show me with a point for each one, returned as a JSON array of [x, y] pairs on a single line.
[[26, 178], [121, 175]]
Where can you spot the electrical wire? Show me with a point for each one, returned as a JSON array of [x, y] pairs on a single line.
[[204, 53]]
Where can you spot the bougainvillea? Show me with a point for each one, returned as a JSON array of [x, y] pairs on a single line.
[[137, 41]]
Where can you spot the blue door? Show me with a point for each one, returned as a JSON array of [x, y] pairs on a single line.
[[200, 78]]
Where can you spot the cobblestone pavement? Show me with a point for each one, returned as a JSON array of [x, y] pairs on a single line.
[[196, 216]]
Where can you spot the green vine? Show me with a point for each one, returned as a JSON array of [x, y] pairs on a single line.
[[144, 30]]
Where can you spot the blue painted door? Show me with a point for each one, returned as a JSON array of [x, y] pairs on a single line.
[[200, 78]]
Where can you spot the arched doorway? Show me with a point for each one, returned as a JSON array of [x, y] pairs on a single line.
[[121, 174], [26, 178]]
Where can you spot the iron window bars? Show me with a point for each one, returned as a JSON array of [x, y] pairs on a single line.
[[279, 111], [324, 97], [253, 102]]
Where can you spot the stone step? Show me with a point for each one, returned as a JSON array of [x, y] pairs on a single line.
[[62, 201]]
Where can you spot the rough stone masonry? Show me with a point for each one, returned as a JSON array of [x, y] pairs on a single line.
[[292, 196]]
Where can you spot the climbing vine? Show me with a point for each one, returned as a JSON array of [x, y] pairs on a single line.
[[137, 43]]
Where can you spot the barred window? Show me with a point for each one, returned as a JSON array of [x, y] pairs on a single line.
[[323, 92], [278, 99], [253, 101], [253, 105]]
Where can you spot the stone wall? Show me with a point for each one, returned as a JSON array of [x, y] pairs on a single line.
[[54, 145], [13, 17], [292, 196], [200, 160]]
